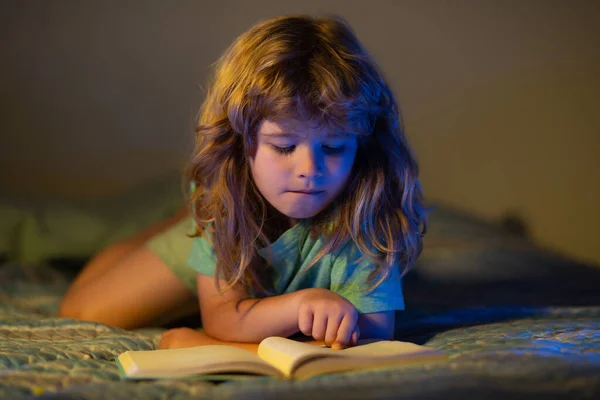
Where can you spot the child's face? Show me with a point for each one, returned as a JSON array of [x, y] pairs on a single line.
[[300, 171]]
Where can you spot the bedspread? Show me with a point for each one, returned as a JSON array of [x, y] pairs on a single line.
[[532, 352]]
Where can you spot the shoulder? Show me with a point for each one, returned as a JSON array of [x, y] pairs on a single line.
[[351, 255]]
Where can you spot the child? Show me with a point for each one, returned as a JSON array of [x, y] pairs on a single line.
[[306, 203]]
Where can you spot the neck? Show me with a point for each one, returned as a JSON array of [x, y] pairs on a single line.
[[277, 223]]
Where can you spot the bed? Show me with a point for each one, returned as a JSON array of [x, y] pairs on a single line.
[[516, 320]]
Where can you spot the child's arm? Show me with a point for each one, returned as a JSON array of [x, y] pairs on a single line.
[[186, 337], [375, 326], [316, 312], [230, 317]]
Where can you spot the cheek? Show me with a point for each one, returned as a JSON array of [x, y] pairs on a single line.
[[342, 166], [266, 166]]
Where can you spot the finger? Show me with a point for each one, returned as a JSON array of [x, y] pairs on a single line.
[[331, 332], [305, 321], [345, 331], [319, 326], [355, 335]]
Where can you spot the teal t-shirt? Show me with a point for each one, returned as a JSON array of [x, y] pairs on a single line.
[[342, 273]]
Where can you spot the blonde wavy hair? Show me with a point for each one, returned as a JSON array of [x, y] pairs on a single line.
[[305, 69]]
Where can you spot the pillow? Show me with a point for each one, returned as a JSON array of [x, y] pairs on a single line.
[[79, 228], [467, 261]]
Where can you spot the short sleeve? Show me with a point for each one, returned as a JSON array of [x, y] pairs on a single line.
[[173, 246], [202, 257], [349, 279]]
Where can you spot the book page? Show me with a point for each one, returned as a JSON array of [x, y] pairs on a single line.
[[384, 348], [327, 365], [296, 359], [192, 361], [284, 354]]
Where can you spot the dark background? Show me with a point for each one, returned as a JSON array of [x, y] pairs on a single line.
[[501, 99]]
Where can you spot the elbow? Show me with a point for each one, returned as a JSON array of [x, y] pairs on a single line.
[[221, 322], [217, 328]]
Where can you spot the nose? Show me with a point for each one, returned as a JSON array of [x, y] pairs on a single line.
[[309, 163]]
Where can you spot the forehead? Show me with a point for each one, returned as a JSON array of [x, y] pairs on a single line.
[[292, 129]]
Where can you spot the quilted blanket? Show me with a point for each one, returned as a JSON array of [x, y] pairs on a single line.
[[496, 352]]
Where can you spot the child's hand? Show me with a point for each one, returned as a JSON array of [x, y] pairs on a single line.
[[327, 316]]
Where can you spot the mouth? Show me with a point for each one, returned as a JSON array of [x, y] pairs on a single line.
[[307, 192]]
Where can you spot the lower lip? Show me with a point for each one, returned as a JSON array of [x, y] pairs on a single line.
[[308, 194]]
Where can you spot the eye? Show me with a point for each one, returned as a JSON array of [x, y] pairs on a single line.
[[333, 149], [284, 150]]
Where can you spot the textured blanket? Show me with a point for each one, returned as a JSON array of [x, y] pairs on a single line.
[[533, 352]]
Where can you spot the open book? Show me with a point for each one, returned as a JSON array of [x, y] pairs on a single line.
[[276, 356]]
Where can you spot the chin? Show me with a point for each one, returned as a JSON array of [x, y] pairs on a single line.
[[299, 211], [296, 214]]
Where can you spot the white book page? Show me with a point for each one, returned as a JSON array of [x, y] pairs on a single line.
[[192, 360], [285, 353], [368, 355], [384, 348], [327, 365]]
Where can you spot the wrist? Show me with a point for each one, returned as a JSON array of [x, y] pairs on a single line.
[[302, 295]]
